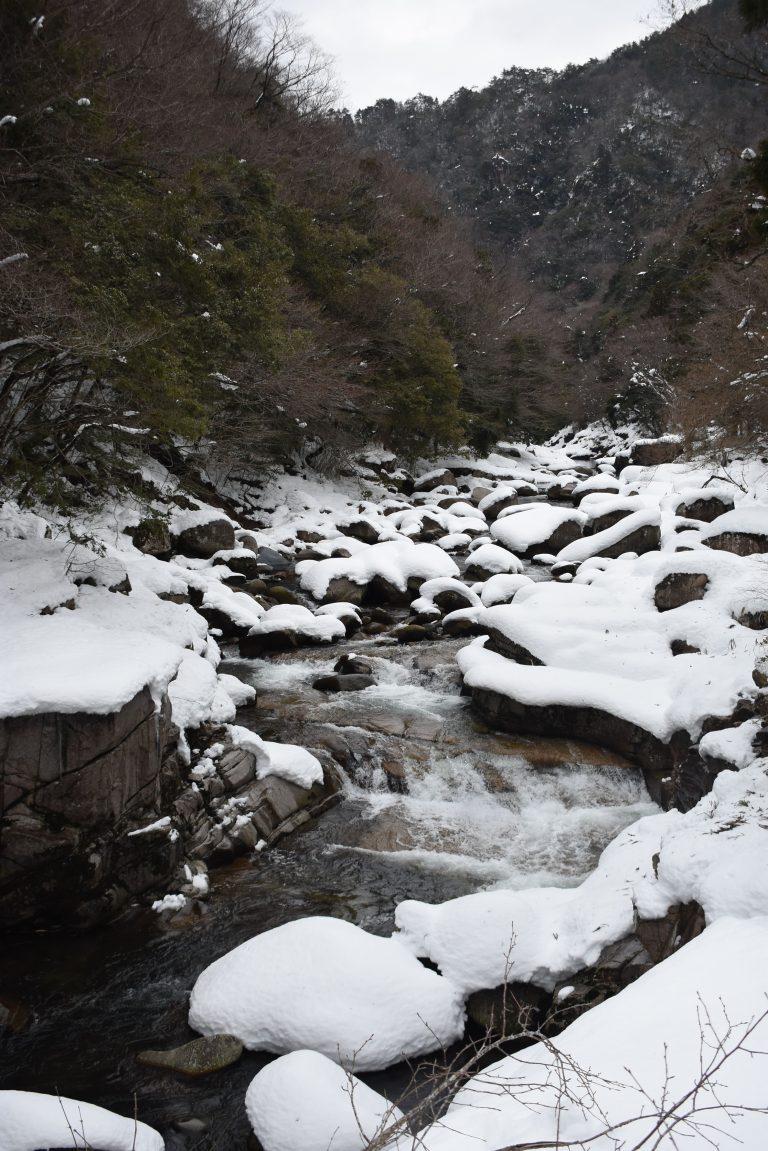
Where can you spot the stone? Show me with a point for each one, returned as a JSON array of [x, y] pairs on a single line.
[[244, 565], [434, 480], [508, 1010], [411, 633], [352, 665], [461, 626], [346, 682], [152, 537], [682, 647], [705, 509], [453, 599], [651, 453], [200, 1057], [281, 594], [606, 520], [274, 560], [204, 540], [236, 767], [361, 530], [679, 588], [740, 543]]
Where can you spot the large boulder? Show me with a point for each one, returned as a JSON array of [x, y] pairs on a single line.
[[743, 531], [71, 785], [203, 540]]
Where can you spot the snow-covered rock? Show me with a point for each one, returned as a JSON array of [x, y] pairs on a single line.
[[306, 1102], [30, 1121], [324, 984]]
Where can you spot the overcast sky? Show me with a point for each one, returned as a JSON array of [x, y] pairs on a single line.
[[398, 48]]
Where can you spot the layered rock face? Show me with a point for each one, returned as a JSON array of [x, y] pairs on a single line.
[[71, 787]]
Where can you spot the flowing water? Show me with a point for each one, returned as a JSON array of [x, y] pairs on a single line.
[[435, 806]]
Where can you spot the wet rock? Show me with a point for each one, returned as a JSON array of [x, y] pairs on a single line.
[[508, 1010], [458, 626], [308, 537], [281, 594], [501, 643], [346, 682], [14, 1015], [204, 540], [453, 599], [274, 560], [561, 492], [200, 1057], [412, 633], [255, 587], [344, 590], [589, 724], [352, 665], [679, 588], [361, 530], [70, 786]]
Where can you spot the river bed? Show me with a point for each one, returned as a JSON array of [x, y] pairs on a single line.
[[435, 806]]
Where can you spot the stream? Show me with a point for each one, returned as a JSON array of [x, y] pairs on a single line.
[[435, 806]]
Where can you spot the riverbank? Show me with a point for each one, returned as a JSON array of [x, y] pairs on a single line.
[[434, 805]]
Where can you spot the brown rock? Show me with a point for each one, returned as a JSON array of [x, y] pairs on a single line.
[[200, 1057], [679, 588]]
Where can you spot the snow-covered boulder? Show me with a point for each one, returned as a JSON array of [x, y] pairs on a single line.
[[676, 1059], [306, 1102], [639, 532], [389, 572], [490, 560], [533, 528], [502, 589], [325, 984], [30, 1121], [290, 625], [743, 531]]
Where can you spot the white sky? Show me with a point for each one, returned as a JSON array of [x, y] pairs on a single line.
[[399, 48]]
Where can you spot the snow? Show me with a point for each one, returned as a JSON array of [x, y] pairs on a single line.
[[285, 760], [603, 644], [635, 1057], [532, 524], [607, 538], [301, 621], [66, 664], [306, 1102], [502, 588], [496, 560], [396, 561], [747, 517], [30, 1121], [325, 984]]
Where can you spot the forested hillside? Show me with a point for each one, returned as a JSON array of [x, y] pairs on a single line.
[[191, 250], [619, 191]]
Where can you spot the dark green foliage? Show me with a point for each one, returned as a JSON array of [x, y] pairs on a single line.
[[175, 284]]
